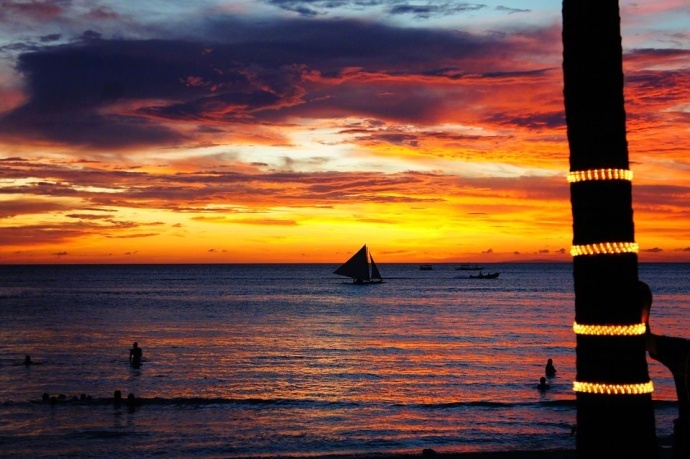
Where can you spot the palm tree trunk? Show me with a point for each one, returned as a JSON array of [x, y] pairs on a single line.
[[609, 425]]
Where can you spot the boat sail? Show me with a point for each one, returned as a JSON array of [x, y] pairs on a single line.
[[357, 267]]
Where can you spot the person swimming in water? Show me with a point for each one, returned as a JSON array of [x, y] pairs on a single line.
[[543, 386], [135, 355], [550, 370]]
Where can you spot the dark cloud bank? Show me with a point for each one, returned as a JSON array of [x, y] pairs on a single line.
[[121, 93]]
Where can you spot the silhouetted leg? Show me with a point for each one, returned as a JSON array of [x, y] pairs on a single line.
[[674, 353]]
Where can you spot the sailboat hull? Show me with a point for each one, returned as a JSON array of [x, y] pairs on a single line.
[[365, 282]]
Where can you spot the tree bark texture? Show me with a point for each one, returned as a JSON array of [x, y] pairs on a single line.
[[618, 425]]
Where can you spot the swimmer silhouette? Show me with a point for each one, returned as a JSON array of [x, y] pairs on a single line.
[[135, 355], [542, 386]]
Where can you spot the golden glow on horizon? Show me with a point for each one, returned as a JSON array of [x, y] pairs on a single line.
[[613, 389], [155, 216], [610, 330], [604, 248]]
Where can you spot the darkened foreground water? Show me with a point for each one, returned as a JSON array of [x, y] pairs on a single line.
[[247, 360]]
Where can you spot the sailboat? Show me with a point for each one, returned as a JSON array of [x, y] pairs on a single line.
[[357, 267]]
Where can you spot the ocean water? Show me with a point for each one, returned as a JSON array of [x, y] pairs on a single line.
[[270, 360]]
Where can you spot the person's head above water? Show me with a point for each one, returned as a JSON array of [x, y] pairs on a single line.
[[135, 344]]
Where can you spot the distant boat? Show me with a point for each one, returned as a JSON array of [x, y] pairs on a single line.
[[469, 267], [357, 268], [485, 276], [426, 267]]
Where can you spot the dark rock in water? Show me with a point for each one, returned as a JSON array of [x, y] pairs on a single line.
[[428, 452]]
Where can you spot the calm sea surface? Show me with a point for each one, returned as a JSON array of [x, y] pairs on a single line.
[[268, 360]]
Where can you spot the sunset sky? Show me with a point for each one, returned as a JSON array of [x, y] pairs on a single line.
[[297, 130]]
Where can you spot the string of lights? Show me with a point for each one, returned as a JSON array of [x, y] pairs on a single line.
[[610, 330], [600, 174], [608, 248], [614, 389]]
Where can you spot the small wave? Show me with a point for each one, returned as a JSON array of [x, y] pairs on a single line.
[[507, 405], [304, 403], [487, 404], [191, 401], [102, 434]]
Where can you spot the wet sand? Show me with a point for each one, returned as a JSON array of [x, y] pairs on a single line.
[[544, 454]]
